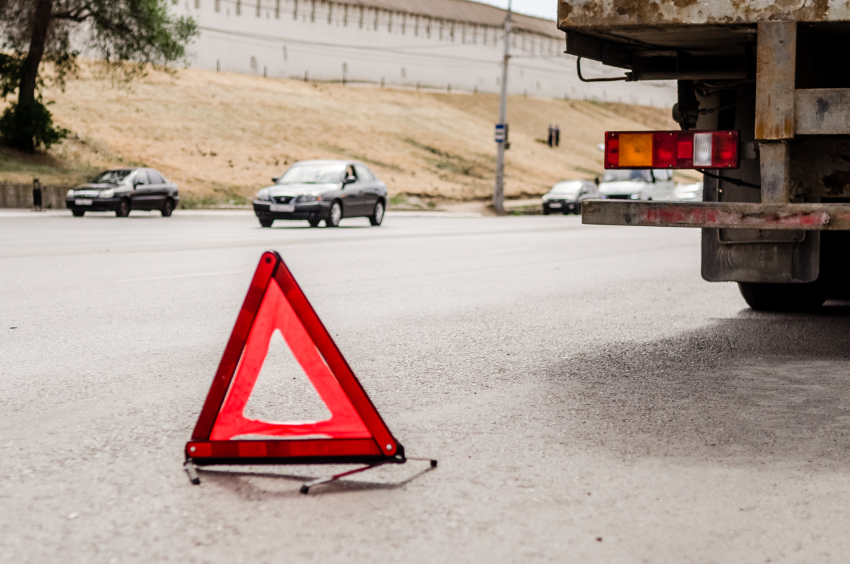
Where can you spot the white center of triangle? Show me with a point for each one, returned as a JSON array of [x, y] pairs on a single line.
[[283, 393]]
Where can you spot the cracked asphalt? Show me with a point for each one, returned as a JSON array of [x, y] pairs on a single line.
[[588, 396]]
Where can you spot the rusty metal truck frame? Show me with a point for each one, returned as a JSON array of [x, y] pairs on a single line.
[[780, 75]]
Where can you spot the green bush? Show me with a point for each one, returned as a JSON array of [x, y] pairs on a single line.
[[29, 126]]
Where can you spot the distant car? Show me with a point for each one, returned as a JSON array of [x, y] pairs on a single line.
[[566, 196], [637, 184], [123, 190], [688, 192], [323, 191]]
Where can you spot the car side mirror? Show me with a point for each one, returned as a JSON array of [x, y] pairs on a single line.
[[596, 181], [349, 180], [275, 179], [136, 183]]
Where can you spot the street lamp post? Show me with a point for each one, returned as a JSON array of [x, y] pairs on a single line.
[[499, 188]]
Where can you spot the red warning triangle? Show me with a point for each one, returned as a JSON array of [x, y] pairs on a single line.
[[354, 432]]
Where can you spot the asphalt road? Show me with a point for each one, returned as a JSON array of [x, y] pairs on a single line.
[[588, 396]]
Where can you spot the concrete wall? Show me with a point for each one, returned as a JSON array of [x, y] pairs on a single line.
[[326, 41], [20, 196]]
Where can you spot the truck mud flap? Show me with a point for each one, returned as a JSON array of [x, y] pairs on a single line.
[[777, 261]]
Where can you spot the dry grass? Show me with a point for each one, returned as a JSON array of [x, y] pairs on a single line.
[[221, 136]]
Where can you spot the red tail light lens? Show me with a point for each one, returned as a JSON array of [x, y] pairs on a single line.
[[612, 150], [665, 149], [671, 149], [725, 145]]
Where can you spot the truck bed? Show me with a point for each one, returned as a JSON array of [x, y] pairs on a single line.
[[647, 36]]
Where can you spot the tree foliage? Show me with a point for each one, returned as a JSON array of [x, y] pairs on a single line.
[[41, 40], [30, 124]]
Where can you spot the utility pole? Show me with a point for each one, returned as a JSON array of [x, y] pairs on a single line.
[[499, 188]]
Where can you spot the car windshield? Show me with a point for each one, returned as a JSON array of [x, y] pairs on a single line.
[[112, 177], [621, 175], [566, 188], [314, 174]]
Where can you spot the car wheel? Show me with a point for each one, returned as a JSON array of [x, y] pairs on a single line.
[[167, 208], [782, 297], [545, 210], [377, 214], [123, 209], [78, 213], [335, 215], [266, 222], [314, 222]]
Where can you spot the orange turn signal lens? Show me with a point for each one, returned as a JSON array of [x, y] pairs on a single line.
[[636, 149]]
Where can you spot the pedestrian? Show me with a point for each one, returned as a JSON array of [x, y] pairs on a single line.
[[551, 135], [557, 135]]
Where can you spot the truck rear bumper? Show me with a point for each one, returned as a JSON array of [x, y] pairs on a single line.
[[727, 215]]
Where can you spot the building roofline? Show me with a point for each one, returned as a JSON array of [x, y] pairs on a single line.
[[464, 11]]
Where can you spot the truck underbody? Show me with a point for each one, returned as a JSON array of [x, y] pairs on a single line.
[[780, 223]]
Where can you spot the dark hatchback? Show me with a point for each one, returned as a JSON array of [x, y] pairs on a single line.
[[123, 190], [323, 191]]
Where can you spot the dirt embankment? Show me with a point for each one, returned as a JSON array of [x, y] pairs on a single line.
[[222, 136]]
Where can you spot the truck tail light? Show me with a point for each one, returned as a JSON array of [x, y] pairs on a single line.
[[671, 149]]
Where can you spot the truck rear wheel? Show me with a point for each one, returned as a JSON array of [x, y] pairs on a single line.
[[782, 297]]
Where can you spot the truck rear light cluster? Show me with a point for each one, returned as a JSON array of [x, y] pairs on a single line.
[[671, 149]]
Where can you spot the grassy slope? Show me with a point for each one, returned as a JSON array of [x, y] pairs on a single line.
[[221, 136]]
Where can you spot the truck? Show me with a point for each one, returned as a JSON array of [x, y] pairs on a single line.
[[764, 114]]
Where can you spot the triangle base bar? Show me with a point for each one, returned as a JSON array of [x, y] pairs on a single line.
[[322, 451]]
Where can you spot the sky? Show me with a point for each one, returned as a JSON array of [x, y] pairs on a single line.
[[541, 8]]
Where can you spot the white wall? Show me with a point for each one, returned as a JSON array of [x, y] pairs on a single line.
[[325, 40]]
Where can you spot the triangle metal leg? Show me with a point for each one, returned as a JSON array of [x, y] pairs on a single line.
[[306, 487], [191, 471]]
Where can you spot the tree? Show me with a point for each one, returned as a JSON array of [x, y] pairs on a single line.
[[38, 40]]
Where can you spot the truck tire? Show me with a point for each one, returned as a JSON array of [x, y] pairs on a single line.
[[782, 297]]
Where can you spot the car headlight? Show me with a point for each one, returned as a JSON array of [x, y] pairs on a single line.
[[107, 194], [308, 198], [70, 193], [263, 195], [635, 196]]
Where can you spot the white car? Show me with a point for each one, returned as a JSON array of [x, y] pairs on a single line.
[[688, 192], [637, 184]]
